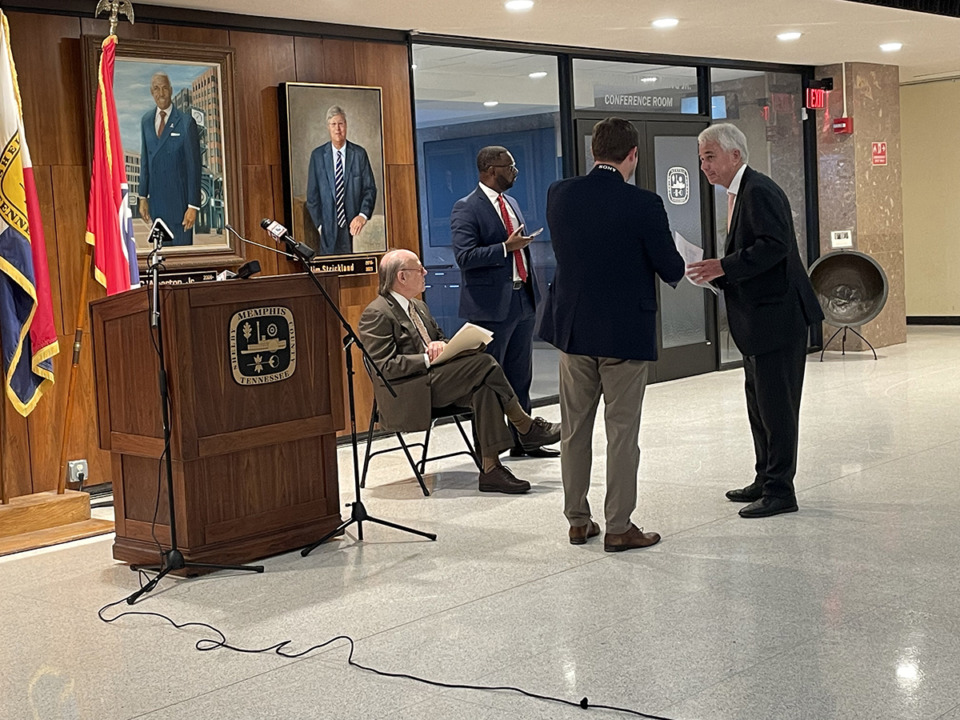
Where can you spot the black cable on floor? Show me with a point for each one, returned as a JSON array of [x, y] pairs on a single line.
[[207, 644]]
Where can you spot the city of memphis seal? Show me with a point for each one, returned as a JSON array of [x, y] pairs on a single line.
[[263, 345], [678, 185]]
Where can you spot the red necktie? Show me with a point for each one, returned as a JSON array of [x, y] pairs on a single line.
[[163, 123], [517, 255]]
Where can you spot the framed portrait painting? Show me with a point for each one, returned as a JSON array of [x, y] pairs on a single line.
[[175, 106], [334, 169]]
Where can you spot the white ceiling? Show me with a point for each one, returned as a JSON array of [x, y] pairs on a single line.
[[834, 30]]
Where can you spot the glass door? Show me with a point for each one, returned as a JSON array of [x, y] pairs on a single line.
[[669, 165]]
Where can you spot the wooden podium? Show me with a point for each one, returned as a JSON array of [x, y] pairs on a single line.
[[254, 371]]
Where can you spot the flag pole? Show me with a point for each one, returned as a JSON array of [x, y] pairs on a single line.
[[4, 497], [115, 8], [74, 369]]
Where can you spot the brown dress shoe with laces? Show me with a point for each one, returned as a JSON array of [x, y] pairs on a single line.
[[581, 533], [501, 480], [540, 433], [633, 538]]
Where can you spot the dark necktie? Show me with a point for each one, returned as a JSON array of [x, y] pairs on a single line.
[[163, 123], [338, 189], [508, 224]]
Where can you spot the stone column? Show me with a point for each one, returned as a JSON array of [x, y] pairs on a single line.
[[859, 196]]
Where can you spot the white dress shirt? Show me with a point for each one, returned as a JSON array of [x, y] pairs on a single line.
[[406, 306], [492, 196]]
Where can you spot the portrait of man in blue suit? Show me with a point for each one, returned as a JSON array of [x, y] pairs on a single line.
[[341, 191], [170, 164]]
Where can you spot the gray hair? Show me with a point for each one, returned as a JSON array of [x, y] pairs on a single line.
[[334, 111], [390, 265], [729, 137], [164, 76]]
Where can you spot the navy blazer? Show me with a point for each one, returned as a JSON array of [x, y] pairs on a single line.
[[170, 169], [769, 296], [359, 192], [611, 240], [477, 233]]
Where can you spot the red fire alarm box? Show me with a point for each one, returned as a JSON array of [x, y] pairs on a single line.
[[843, 125]]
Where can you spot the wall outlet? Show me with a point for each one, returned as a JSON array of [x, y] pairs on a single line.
[[75, 468], [841, 239]]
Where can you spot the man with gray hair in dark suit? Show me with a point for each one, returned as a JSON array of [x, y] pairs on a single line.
[[770, 306], [404, 341]]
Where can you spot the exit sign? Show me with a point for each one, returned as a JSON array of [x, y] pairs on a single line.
[[816, 98]]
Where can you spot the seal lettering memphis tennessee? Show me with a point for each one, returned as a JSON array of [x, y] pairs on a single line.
[[263, 345]]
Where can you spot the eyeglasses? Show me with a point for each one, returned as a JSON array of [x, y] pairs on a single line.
[[512, 166], [417, 268]]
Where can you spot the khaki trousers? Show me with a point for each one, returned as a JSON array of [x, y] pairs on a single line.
[[583, 379]]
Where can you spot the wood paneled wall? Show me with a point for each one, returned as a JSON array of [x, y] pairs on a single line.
[[47, 50]]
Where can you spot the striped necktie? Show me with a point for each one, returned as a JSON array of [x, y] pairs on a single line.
[[338, 189]]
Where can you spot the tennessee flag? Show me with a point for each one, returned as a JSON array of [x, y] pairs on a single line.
[[27, 332], [109, 220]]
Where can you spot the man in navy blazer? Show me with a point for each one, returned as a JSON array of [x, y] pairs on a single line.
[[611, 240], [770, 305], [498, 287], [338, 225], [169, 164]]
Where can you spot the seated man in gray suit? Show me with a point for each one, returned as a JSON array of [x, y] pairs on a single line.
[[403, 339]]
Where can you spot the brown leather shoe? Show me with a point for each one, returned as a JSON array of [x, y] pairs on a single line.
[[540, 433], [633, 538], [581, 533], [501, 480]]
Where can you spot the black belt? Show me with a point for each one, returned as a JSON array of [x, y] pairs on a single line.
[[518, 284]]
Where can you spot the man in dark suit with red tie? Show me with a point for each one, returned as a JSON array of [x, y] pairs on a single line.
[[611, 240], [498, 288], [770, 305]]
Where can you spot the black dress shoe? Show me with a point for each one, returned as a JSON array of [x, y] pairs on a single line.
[[751, 493], [536, 452], [767, 506]]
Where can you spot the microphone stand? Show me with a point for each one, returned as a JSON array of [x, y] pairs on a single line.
[[172, 559], [358, 513]]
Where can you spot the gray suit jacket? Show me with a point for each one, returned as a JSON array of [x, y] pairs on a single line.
[[395, 346]]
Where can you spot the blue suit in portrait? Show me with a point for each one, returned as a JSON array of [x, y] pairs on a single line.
[[487, 294], [360, 195], [170, 169]]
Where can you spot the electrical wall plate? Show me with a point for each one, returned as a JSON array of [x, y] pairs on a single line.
[[75, 468]]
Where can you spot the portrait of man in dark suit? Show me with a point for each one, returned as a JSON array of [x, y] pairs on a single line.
[[770, 306], [170, 164], [341, 191]]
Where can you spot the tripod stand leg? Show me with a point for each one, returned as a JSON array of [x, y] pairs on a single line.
[[828, 342], [866, 341], [430, 536]]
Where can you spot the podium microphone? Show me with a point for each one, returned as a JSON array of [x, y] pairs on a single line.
[[279, 232], [241, 238]]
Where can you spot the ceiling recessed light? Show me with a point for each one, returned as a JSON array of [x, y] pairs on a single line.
[[891, 47], [518, 5], [491, 103], [648, 79], [788, 36], [665, 23], [537, 75]]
